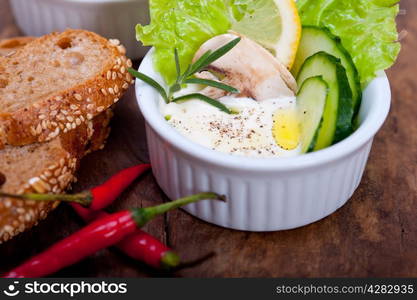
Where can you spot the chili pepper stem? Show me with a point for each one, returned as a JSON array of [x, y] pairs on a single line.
[[144, 215], [84, 198], [170, 260]]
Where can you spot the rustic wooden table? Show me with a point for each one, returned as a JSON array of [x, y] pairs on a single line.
[[374, 234]]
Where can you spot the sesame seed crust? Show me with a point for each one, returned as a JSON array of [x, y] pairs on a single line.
[[57, 175], [61, 112]]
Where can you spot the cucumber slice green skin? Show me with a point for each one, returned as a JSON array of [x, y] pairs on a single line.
[[315, 39], [311, 101], [337, 117]]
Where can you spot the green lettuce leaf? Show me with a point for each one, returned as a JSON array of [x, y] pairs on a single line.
[[181, 24], [367, 29]]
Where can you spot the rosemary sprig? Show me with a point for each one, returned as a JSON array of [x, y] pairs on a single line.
[[204, 98], [151, 82], [188, 78]]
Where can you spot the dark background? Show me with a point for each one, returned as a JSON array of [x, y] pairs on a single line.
[[373, 235]]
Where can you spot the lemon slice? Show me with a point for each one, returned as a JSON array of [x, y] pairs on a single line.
[[274, 24], [286, 129]]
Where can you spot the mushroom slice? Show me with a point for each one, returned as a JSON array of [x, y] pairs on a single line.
[[248, 67]]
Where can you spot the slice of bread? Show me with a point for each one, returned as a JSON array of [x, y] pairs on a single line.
[[57, 82], [43, 168]]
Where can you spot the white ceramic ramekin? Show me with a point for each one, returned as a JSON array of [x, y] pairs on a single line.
[[109, 18], [263, 194]]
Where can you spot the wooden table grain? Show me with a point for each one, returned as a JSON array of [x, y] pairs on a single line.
[[373, 235]]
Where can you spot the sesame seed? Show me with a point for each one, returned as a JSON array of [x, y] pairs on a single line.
[[114, 42], [88, 100], [33, 130], [73, 107], [53, 113], [90, 90], [104, 92], [121, 49], [78, 97], [61, 178], [58, 98], [115, 100], [125, 86], [100, 108], [73, 125], [118, 61], [108, 75], [89, 116], [65, 112], [129, 63], [39, 129], [123, 69], [90, 106], [37, 184], [111, 91], [78, 121], [42, 117], [114, 75], [116, 89], [70, 119], [7, 203], [57, 173], [42, 214], [68, 126], [82, 119]]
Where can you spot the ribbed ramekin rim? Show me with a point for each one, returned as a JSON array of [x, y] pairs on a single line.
[[147, 97]]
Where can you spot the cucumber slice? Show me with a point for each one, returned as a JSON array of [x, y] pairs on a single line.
[[337, 119], [311, 101], [315, 39]]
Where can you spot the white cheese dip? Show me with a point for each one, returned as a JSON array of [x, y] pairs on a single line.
[[248, 133]]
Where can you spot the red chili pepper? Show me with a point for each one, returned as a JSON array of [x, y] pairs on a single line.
[[96, 198], [138, 245], [97, 235], [106, 193]]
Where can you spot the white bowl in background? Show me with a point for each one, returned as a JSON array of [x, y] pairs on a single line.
[[263, 194], [109, 18]]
